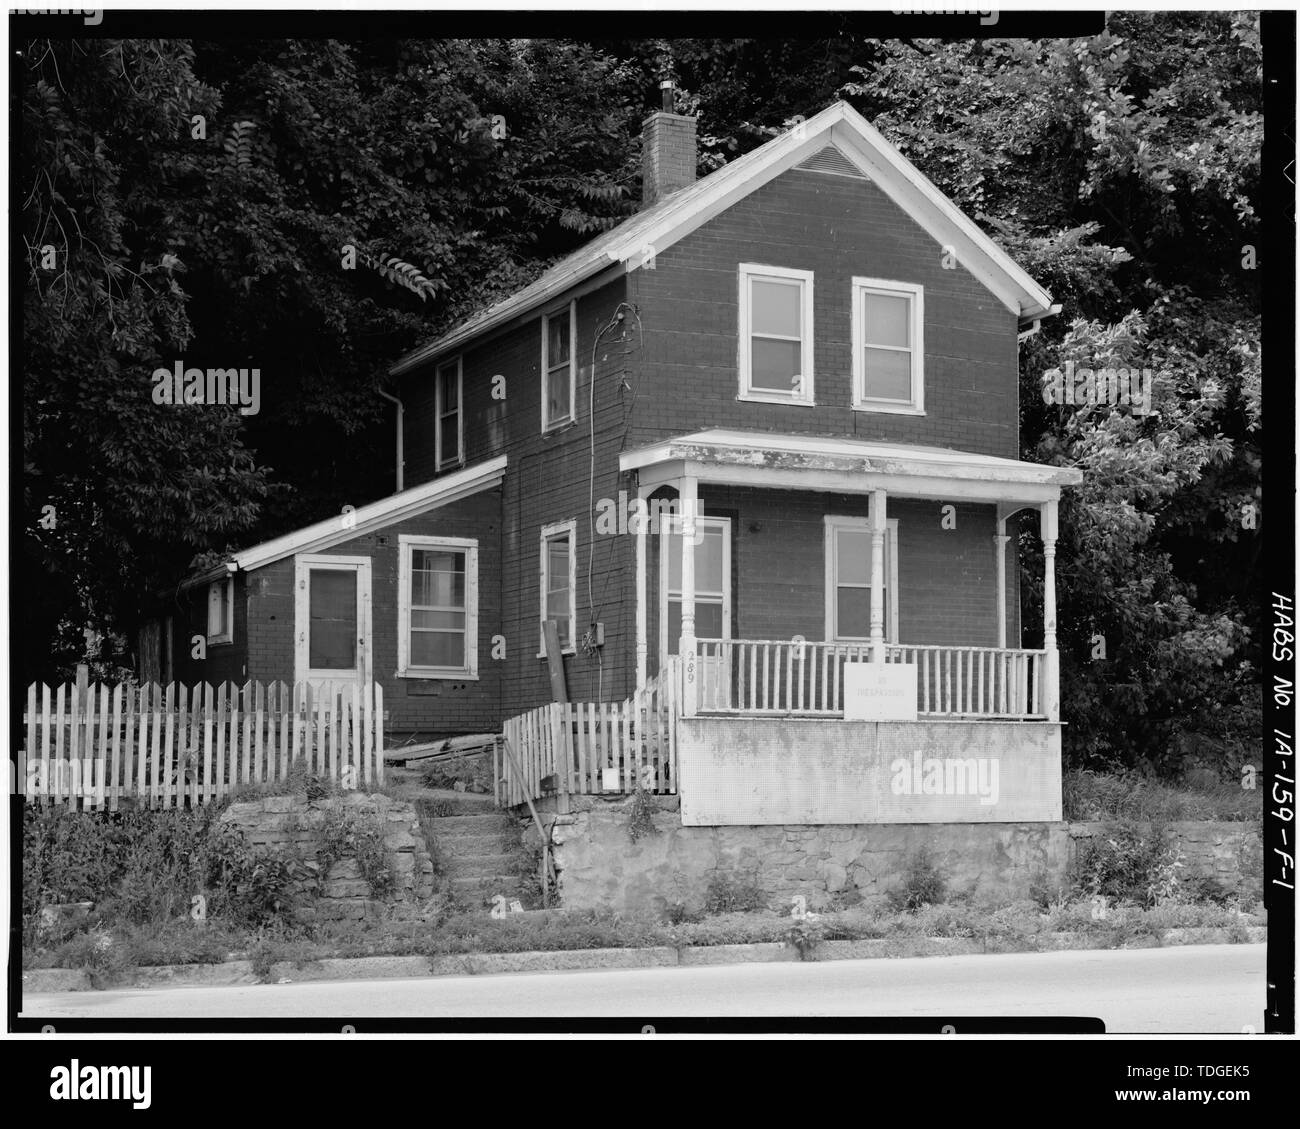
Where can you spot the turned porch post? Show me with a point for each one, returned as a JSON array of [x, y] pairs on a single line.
[[878, 576], [1051, 672], [688, 499], [1000, 540]]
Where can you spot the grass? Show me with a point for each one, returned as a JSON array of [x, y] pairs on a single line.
[[1090, 796], [1013, 925]]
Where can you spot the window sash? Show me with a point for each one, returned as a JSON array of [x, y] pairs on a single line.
[[798, 388], [558, 376], [449, 393], [458, 559], [221, 611], [559, 592], [838, 526], [913, 295]]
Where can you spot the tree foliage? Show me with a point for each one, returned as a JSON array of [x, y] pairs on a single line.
[[348, 199]]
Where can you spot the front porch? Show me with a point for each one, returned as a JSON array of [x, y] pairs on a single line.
[[864, 552]]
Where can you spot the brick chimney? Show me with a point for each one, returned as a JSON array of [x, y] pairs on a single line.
[[668, 151]]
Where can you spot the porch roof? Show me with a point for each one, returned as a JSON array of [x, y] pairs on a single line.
[[850, 466]]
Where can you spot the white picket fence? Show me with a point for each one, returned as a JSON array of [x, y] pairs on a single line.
[[97, 746]]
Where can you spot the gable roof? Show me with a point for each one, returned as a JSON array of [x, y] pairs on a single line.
[[626, 247], [333, 531]]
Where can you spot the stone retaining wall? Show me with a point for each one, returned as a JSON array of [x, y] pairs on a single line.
[[599, 865], [293, 825]]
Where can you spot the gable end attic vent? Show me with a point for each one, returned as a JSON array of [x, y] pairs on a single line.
[[831, 160]]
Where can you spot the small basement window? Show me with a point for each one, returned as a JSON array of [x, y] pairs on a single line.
[[221, 611], [776, 335]]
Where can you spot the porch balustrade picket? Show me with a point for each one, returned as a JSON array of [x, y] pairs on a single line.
[[101, 747], [784, 677]]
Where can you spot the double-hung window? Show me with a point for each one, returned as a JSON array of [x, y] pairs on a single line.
[[888, 350], [776, 335], [559, 581], [449, 436], [559, 366], [848, 580], [221, 611], [437, 630]]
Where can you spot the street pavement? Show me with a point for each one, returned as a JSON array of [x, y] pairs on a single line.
[[1194, 988]]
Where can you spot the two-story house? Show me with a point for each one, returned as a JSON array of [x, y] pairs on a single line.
[[769, 425]]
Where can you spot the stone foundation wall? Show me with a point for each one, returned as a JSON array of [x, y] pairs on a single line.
[[294, 825], [599, 865]]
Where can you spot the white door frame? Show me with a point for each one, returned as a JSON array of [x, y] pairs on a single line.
[[304, 563]]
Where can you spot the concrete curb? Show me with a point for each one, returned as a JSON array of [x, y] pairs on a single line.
[[235, 972]]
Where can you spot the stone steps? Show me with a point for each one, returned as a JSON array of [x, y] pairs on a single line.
[[474, 824], [473, 866], [483, 857], [469, 846]]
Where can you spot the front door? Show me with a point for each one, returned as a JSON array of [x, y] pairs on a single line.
[[332, 628], [712, 599]]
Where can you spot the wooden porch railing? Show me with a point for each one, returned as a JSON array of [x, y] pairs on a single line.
[[593, 747], [781, 677]]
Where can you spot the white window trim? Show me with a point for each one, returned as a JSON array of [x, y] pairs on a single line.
[[861, 403], [549, 424], [406, 544], [748, 272], [549, 532], [438, 410], [228, 635], [834, 522], [303, 564], [671, 526]]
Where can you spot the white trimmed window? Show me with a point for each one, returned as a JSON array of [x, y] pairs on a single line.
[[437, 616], [559, 366], [559, 583], [449, 436], [221, 611], [888, 347], [776, 335], [848, 579]]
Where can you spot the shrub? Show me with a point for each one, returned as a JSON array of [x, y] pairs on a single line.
[[922, 884], [350, 833], [1090, 795], [733, 894], [1129, 863], [473, 771]]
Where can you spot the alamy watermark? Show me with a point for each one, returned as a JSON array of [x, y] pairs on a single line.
[[181, 385], [1086, 387], [92, 16], [634, 516]]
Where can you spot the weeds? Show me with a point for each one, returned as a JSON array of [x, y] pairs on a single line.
[[733, 894], [922, 884]]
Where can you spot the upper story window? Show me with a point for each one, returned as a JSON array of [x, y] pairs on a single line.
[[559, 582], [449, 438], [437, 617], [888, 352], [221, 611], [559, 366], [776, 334]]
